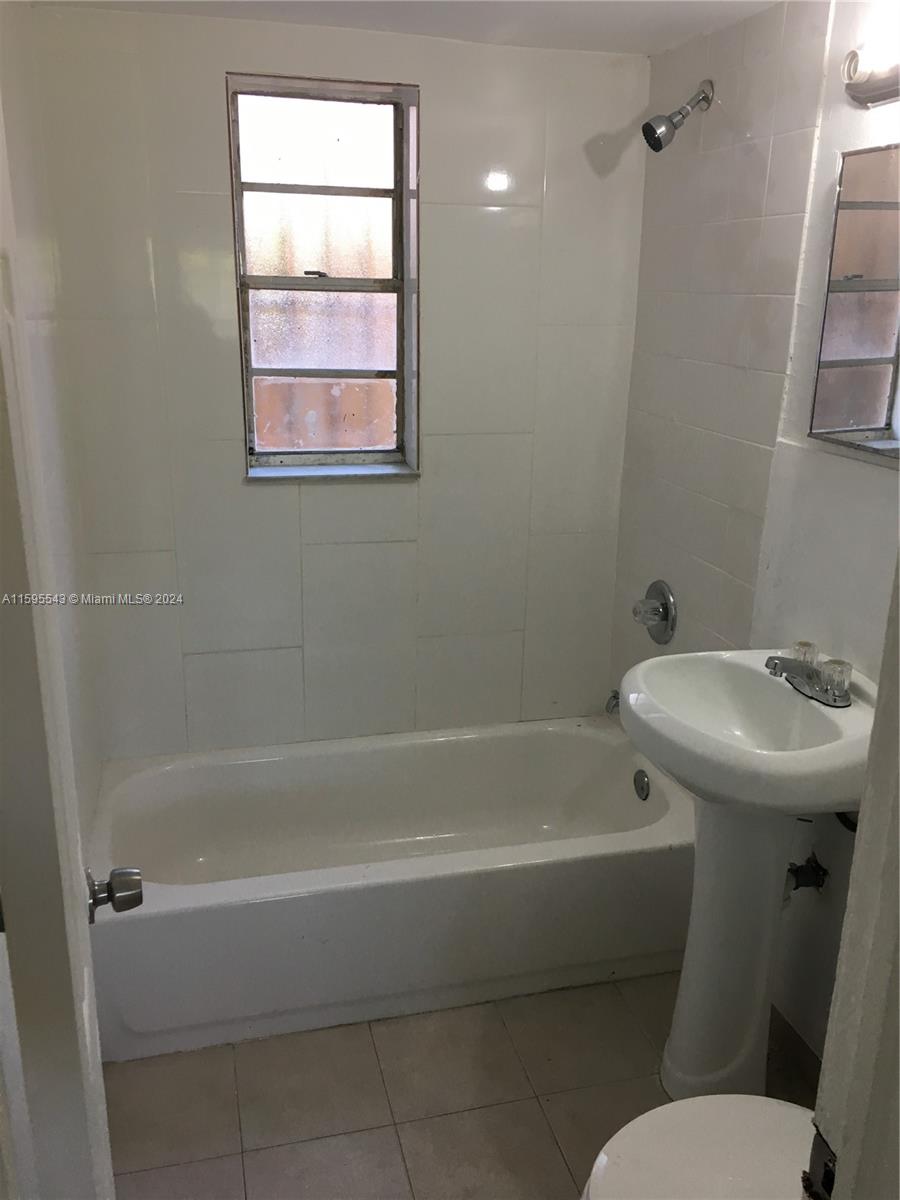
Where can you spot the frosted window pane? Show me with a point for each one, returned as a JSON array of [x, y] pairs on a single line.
[[324, 414], [860, 325], [866, 244], [874, 176], [852, 397], [335, 143], [340, 235], [324, 331]]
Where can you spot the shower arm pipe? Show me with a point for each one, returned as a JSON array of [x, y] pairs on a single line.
[[702, 98]]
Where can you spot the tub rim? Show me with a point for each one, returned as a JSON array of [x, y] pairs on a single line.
[[674, 828]]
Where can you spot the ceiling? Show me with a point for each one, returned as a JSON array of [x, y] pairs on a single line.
[[623, 26]]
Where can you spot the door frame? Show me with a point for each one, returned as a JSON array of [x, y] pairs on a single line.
[[41, 867], [856, 1107]]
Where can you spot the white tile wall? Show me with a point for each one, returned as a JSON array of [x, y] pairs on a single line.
[[831, 514], [724, 216], [193, 261], [97, 170], [421, 603], [367, 511], [114, 378], [31, 277], [473, 537], [138, 657], [594, 173], [566, 643], [238, 550], [582, 381], [244, 697], [359, 625], [479, 282], [829, 542], [779, 255], [789, 173], [472, 679], [494, 121]]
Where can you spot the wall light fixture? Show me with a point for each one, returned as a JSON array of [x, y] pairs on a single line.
[[871, 73]]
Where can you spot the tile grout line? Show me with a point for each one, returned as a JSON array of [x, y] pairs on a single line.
[[237, 1101], [187, 1162], [395, 1125], [586, 1087], [512, 1041], [320, 1137], [636, 1017], [536, 1097], [393, 1121], [387, 1095], [562, 1153], [458, 1112]]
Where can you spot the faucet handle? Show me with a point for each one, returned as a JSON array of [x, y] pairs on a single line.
[[836, 673], [648, 612], [805, 652]]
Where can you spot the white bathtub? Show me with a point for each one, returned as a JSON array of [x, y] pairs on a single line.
[[302, 886]]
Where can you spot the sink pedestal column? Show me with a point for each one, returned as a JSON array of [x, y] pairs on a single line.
[[720, 1029]]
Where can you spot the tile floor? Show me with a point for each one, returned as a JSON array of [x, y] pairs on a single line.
[[503, 1101]]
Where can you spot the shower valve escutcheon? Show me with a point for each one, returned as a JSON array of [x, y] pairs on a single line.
[[657, 612]]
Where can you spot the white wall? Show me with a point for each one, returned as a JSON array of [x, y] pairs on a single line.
[[723, 218], [831, 523], [830, 538], [64, 565], [765, 536], [482, 593]]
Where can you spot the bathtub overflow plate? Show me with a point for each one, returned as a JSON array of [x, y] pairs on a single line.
[[642, 784]]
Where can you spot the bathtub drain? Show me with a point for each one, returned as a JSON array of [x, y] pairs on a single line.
[[642, 784]]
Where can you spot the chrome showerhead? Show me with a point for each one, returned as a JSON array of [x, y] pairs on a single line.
[[659, 131]]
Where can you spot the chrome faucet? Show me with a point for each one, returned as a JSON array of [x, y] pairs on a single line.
[[828, 683]]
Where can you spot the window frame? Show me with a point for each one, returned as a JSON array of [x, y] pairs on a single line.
[[859, 437], [404, 99]]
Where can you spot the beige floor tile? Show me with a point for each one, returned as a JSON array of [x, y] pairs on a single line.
[[172, 1109], [501, 1153], [584, 1120], [578, 1037], [652, 1000], [309, 1085], [352, 1166], [213, 1179], [443, 1062]]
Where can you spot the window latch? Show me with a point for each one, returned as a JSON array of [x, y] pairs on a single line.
[[317, 274]]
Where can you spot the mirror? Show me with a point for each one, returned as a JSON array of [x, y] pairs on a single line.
[[856, 382]]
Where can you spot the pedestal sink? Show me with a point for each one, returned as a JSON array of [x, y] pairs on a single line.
[[756, 754]]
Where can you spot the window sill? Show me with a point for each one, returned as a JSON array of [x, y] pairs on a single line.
[[336, 472], [874, 445]]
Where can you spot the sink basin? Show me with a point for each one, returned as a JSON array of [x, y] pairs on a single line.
[[731, 733], [755, 754]]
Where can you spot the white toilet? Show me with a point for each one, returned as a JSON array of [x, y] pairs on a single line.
[[707, 1148]]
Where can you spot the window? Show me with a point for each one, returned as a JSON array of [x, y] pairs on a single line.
[[856, 386], [324, 178]]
